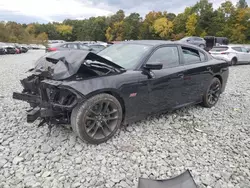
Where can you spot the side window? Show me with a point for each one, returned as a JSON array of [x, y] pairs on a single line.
[[64, 46], [238, 49], [83, 47], [244, 50], [191, 55], [168, 56], [197, 39], [73, 46]]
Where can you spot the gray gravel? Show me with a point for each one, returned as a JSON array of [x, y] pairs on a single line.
[[213, 143]]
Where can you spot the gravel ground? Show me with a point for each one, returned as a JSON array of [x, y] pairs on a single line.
[[213, 143]]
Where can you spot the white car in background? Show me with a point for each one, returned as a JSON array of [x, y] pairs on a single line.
[[233, 54]]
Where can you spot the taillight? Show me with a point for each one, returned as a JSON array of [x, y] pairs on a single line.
[[52, 49]]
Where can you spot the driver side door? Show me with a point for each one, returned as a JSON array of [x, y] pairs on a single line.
[[164, 86]]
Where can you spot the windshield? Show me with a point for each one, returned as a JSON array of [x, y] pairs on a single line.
[[125, 55]]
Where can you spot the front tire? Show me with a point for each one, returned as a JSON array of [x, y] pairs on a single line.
[[212, 94], [97, 119]]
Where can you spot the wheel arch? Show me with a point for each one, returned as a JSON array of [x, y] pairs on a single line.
[[112, 92], [235, 57], [220, 78]]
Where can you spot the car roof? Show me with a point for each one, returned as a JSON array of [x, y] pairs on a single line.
[[151, 42], [228, 46], [147, 42], [156, 43]]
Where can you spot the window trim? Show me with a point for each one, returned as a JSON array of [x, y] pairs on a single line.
[[206, 59], [162, 46]]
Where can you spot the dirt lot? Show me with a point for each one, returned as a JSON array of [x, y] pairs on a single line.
[[213, 143]]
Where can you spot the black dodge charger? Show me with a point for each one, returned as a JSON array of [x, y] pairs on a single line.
[[124, 83]]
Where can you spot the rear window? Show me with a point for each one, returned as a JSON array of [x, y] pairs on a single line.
[[219, 49]]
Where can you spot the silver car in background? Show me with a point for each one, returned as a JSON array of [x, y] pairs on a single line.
[[233, 54], [197, 41]]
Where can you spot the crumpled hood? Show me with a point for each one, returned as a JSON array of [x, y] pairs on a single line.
[[61, 65]]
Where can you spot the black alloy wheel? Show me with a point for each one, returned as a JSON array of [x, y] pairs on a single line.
[[101, 119], [213, 93], [97, 119]]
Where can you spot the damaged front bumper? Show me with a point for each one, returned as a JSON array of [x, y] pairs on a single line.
[[49, 100]]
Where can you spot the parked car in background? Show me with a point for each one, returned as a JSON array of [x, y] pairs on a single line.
[[97, 47], [233, 54], [123, 83], [198, 41], [18, 48], [2, 49], [55, 41], [68, 46], [24, 49], [10, 49]]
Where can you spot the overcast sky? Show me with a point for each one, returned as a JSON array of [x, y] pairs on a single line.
[[43, 11]]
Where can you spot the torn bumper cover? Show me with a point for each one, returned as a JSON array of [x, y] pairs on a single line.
[[51, 101]]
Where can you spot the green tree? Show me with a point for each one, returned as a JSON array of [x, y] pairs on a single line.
[[147, 28], [242, 4], [163, 27], [4, 33], [65, 31], [191, 25], [205, 13], [181, 20], [42, 38], [132, 26]]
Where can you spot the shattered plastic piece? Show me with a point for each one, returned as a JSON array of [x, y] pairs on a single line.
[[185, 180]]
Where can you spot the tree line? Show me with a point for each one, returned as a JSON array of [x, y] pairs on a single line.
[[229, 20]]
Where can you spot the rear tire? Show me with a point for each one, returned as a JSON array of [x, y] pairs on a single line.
[[97, 119], [212, 94], [234, 61]]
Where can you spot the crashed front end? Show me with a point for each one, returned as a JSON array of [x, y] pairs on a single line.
[[50, 99]]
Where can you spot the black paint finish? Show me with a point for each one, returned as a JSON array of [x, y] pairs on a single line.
[[169, 89], [143, 92]]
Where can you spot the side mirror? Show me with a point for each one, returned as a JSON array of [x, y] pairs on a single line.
[[153, 66]]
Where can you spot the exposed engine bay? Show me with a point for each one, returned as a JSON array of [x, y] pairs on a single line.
[[45, 91]]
